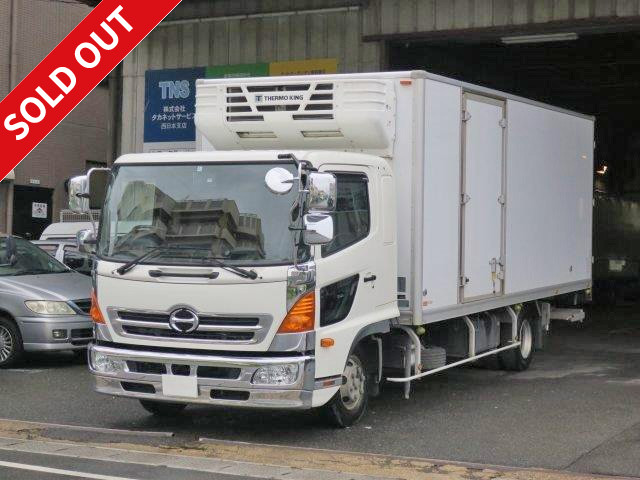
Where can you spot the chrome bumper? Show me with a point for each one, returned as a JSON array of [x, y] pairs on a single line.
[[237, 391]]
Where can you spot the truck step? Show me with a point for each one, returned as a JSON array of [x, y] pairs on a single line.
[[571, 315]]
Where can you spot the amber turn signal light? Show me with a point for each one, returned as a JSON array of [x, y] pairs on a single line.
[[94, 312], [327, 342], [301, 317]]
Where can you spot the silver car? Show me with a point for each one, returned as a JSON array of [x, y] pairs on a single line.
[[44, 305]]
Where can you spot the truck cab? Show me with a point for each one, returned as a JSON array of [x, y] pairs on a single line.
[[229, 302]]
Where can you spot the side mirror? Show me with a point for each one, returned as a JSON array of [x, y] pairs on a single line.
[[322, 192], [279, 180], [318, 228], [86, 241], [98, 181], [79, 194], [88, 191]]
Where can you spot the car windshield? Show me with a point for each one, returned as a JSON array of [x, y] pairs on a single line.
[[203, 211], [20, 257]]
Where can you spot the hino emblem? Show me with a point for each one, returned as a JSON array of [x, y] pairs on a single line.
[[183, 320]]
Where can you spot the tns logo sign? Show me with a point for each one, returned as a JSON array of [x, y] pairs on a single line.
[[174, 89]]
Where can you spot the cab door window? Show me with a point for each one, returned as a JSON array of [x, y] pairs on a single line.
[[351, 218]]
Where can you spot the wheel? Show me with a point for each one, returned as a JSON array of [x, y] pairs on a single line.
[[11, 350], [517, 359], [163, 409], [350, 402]]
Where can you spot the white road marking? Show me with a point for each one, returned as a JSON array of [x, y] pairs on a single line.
[[57, 471]]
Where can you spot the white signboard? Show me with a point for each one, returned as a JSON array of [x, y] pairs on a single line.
[[38, 210]]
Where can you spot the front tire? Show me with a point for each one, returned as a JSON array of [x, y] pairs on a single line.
[[518, 359], [11, 349], [163, 409], [350, 402]]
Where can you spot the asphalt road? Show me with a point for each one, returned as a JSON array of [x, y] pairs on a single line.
[[27, 466], [577, 408]]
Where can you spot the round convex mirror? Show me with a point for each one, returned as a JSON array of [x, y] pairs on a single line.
[[279, 180]]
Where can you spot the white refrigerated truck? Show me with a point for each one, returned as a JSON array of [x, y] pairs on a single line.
[[342, 231]]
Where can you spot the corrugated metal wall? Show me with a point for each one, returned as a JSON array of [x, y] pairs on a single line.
[[291, 37], [405, 16], [337, 34]]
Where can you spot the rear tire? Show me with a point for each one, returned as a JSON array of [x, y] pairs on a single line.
[[517, 359], [349, 404], [163, 409], [11, 348]]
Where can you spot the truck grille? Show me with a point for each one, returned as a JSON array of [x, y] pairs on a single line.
[[211, 328], [156, 332]]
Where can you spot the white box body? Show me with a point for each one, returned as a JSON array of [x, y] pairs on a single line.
[[491, 187]]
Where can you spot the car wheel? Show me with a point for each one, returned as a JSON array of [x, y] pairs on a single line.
[[518, 359], [11, 350], [163, 409], [350, 402]]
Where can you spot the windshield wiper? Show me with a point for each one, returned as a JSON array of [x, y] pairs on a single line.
[[251, 274], [122, 269]]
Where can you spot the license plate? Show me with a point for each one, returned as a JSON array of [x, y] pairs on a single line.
[[178, 386]]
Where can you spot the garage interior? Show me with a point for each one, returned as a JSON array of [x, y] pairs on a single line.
[[595, 72]]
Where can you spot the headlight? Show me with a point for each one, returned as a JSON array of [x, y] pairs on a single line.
[[105, 364], [48, 307], [285, 374]]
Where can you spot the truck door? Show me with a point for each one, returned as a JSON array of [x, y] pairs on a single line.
[[482, 256], [356, 272]]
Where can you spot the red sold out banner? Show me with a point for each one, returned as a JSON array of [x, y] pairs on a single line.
[[74, 68]]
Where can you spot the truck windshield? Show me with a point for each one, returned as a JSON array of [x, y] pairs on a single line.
[[208, 211]]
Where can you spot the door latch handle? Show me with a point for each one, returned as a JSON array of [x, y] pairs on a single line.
[[370, 278]]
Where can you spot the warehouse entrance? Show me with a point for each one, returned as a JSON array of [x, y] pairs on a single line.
[[596, 74]]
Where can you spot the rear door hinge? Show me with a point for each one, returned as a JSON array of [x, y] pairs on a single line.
[[463, 281], [464, 198], [503, 122], [466, 116]]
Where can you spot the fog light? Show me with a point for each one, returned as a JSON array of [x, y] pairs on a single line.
[[104, 364], [59, 334], [285, 374]]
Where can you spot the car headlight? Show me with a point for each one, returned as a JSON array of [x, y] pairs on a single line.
[[285, 374], [105, 364], [49, 307]]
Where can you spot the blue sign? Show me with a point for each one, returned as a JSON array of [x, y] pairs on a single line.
[[170, 104]]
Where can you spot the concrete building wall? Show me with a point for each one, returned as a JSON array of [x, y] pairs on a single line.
[[5, 42], [82, 136], [230, 32], [4, 197]]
